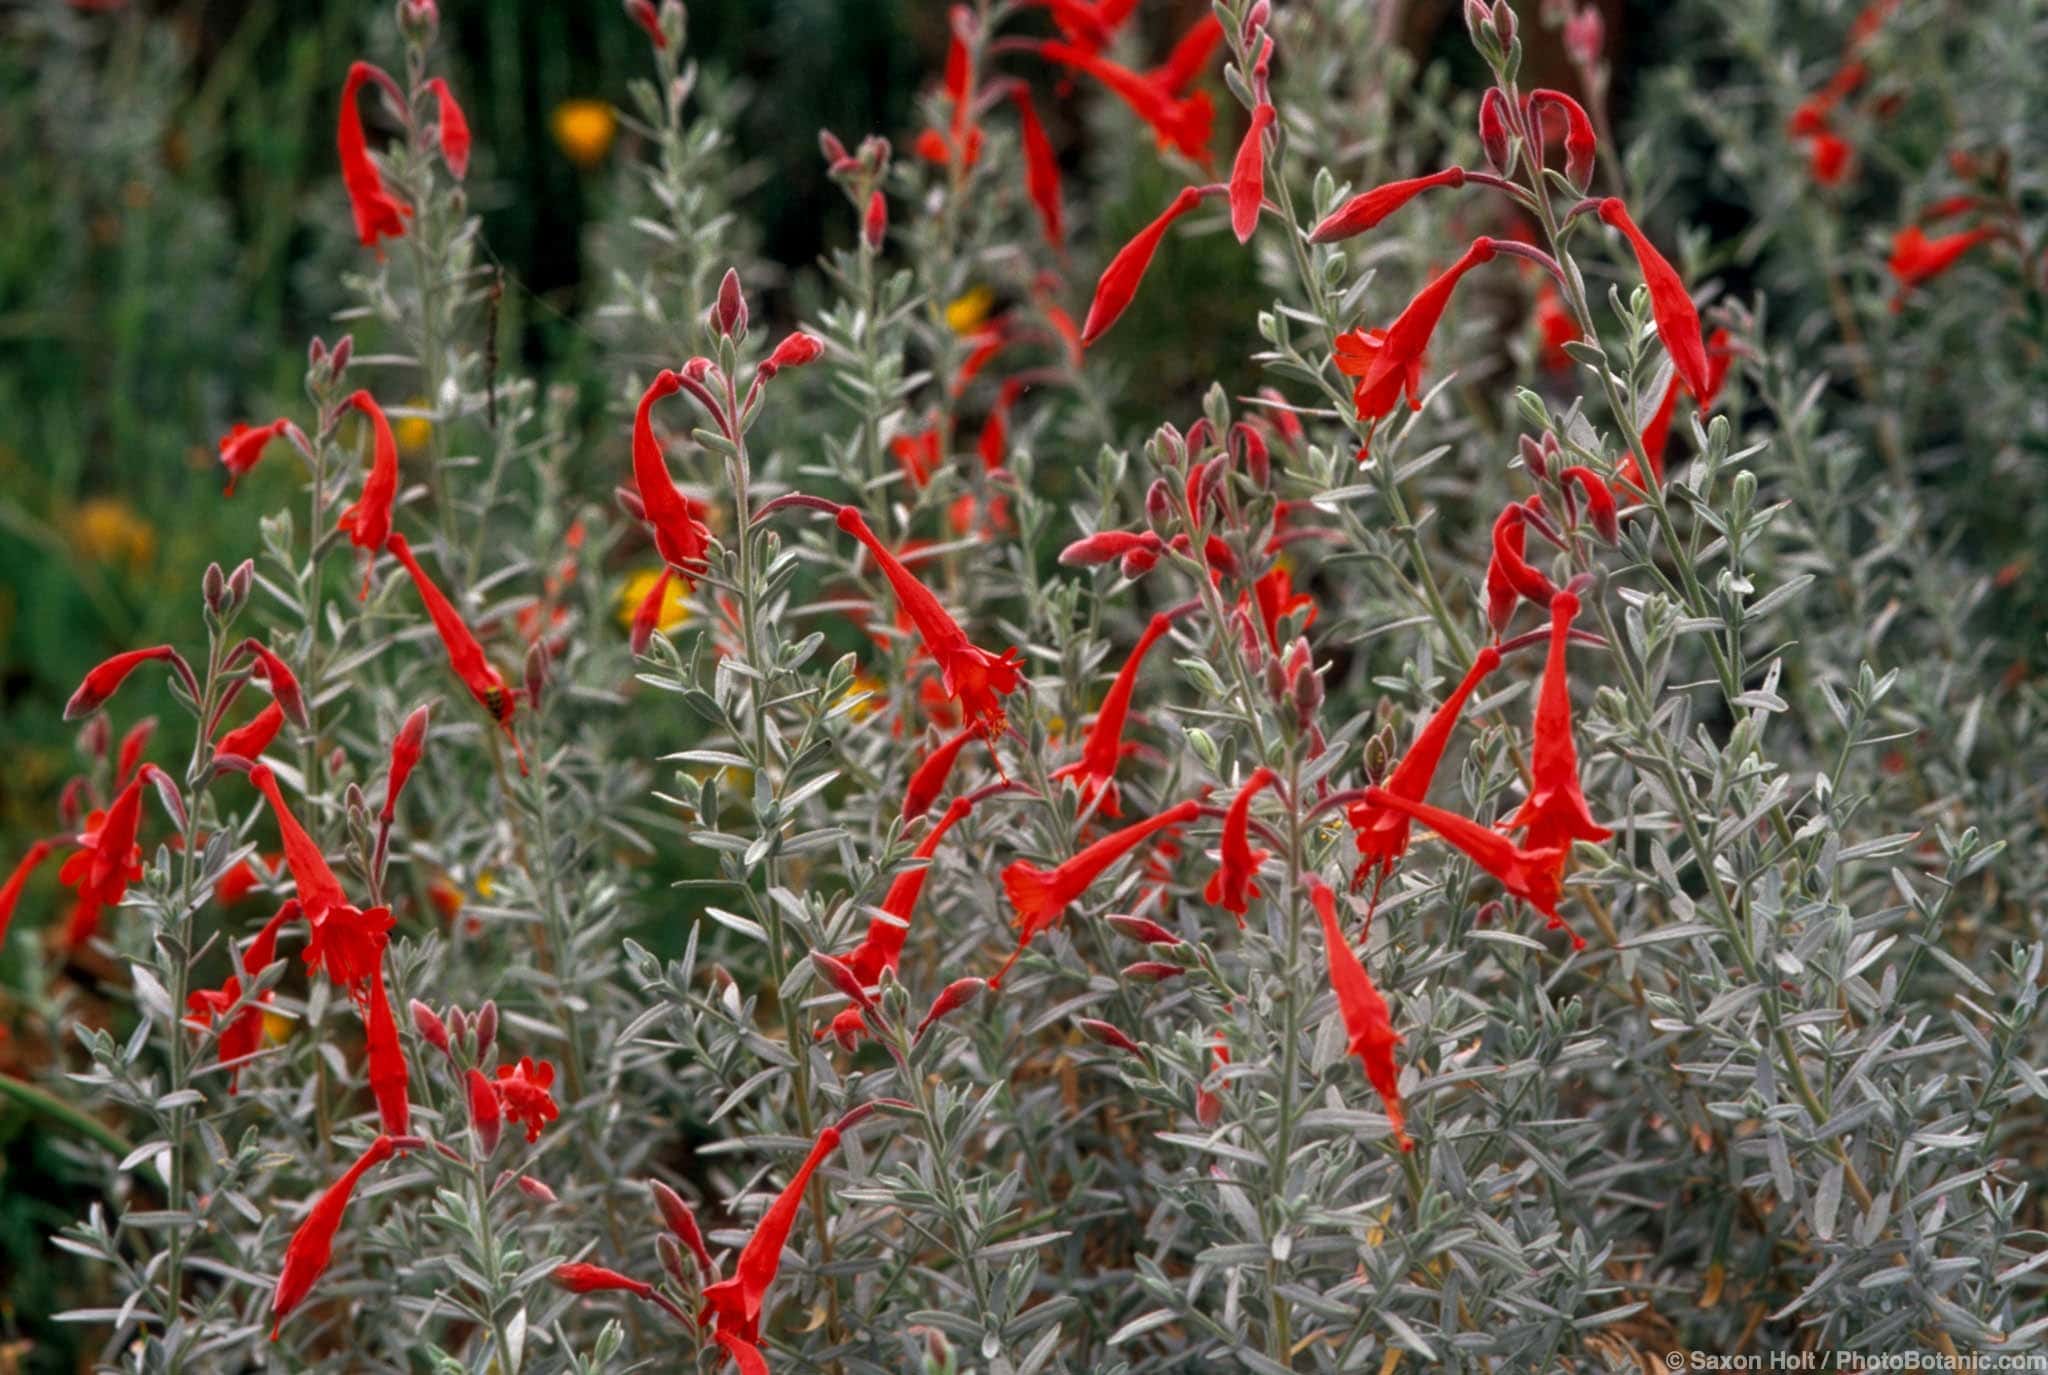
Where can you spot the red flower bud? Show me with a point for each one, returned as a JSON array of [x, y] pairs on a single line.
[[641, 12], [486, 1113], [1142, 929], [875, 223], [431, 1028], [1368, 208], [1119, 283], [1108, 1035], [951, 999], [729, 312], [1152, 971], [1493, 128], [454, 130], [591, 1279]]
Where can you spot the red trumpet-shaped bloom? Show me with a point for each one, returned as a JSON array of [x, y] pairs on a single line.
[[1276, 599], [242, 448], [106, 678], [1041, 896], [1248, 175], [1179, 122], [1388, 363], [1580, 146], [1657, 434], [1915, 258], [10, 892], [583, 1278], [241, 1037], [1367, 1024], [962, 140], [368, 522], [734, 1304], [1555, 813], [975, 678], [1512, 569], [1231, 886], [1041, 168], [928, 780], [406, 748], [1531, 875], [454, 129], [312, 1245], [377, 215], [1366, 209], [1119, 281], [1094, 773], [284, 684], [346, 942], [1382, 831], [465, 655], [388, 1077], [108, 859], [1678, 320], [132, 745], [882, 947], [486, 1111], [252, 737], [679, 536]]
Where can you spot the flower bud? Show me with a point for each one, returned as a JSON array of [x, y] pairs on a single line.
[[344, 349], [535, 1190], [316, 353], [1248, 447], [729, 312], [486, 1027], [431, 1028], [1142, 929], [1108, 1034], [874, 154], [1532, 456], [458, 1024], [417, 20], [842, 977], [1504, 22], [1159, 506], [538, 665], [938, 1352], [833, 151], [1151, 971], [671, 1253], [952, 998], [1585, 36], [1377, 757], [1308, 696], [213, 586], [1201, 437], [486, 1113], [1208, 1107], [96, 738], [641, 12], [1493, 128], [71, 804], [239, 583], [875, 223]]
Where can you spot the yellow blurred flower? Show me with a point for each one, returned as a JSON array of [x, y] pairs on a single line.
[[877, 694], [108, 530], [967, 312], [675, 605], [276, 1029], [413, 432], [585, 129]]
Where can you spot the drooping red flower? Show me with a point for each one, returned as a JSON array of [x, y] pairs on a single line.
[[1531, 875], [679, 535], [367, 523], [583, 1278], [1580, 146], [1555, 813], [10, 892], [1120, 280], [1094, 773], [1383, 833], [1189, 56], [242, 1036], [1389, 363], [107, 859], [1556, 326], [133, 743], [454, 129], [1366, 209], [242, 448], [1179, 122], [312, 1245], [346, 943], [406, 748], [1248, 175], [1367, 1023], [486, 1111], [1915, 258], [251, 738], [106, 678], [973, 677], [1041, 168], [928, 779], [378, 216], [1136, 550], [882, 947], [525, 1091], [284, 684], [1041, 896], [1276, 599], [388, 1077], [962, 139], [465, 655], [1232, 887], [1678, 320], [1512, 569], [1657, 434], [734, 1304]]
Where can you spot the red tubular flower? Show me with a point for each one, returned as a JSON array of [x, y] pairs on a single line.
[[928, 780], [1248, 175], [1580, 146], [1383, 833], [1828, 159], [683, 1223], [377, 214], [1366, 209], [1182, 123], [1916, 258], [1530, 875], [1208, 1104], [1678, 320], [106, 678], [951, 999], [1657, 434], [882, 947], [1493, 128], [454, 129], [1366, 1020], [465, 655], [679, 535], [1109, 1034], [284, 684], [1094, 773], [961, 142], [249, 740], [1515, 572], [133, 743], [10, 892], [1041, 896], [647, 615], [406, 749], [368, 522], [1277, 599], [244, 1035], [1231, 886], [242, 448], [346, 943], [1110, 546], [108, 859], [1599, 499], [1555, 813], [312, 1245], [581, 1278], [525, 1092], [973, 677], [388, 1078], [1556, 325], [796, 350], [919, 453], [486, 1111], [1391, 363], [1119, 282], [874, 222], [1190, 56], [1041, 168], [734, 1304], [642, 12]]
